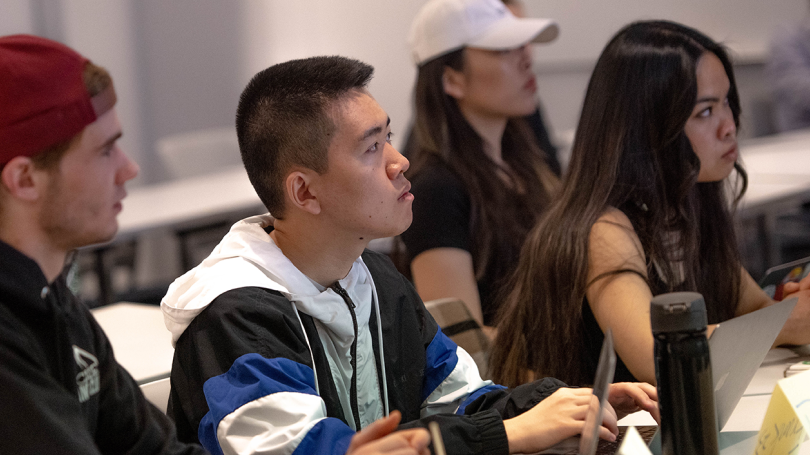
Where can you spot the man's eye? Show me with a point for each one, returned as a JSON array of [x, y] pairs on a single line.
[[388, 137]]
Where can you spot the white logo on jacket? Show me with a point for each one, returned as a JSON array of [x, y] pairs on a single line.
[[87, 381]]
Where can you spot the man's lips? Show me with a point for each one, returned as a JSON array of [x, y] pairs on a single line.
[[118, 206]]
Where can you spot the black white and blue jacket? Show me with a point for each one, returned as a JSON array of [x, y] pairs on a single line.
[[264, 364]]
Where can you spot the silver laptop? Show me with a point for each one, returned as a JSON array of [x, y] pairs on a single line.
[[587, 442], [601, 383]]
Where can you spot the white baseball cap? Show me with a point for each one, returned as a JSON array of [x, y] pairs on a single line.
[[442, 26]]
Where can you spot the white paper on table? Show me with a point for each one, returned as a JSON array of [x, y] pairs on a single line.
[[632, 444]]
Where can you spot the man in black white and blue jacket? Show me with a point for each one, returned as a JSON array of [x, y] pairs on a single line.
[[291, 336]]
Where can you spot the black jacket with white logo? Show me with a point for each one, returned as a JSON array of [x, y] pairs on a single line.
[[61, 390]]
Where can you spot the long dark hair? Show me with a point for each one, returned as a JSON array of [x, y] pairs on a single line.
[[630, 152], [503, 210]]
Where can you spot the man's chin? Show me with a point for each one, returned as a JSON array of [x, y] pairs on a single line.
[[405, 224], [100, 238]]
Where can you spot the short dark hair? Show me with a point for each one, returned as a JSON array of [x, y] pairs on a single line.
[[283, 119], [96, 79]]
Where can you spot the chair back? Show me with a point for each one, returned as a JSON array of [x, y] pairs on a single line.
[[199, 152], [157, 392], [458, 324]]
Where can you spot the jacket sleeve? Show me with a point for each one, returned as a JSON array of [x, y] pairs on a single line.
[[470, 410], [243, 380], [462, 390], [41, 415], [451, 381]]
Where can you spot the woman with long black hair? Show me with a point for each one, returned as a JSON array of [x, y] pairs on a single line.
[[643, 210]]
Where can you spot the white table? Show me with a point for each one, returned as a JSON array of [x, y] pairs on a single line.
[[183, 205], [778, 170], [777, 166], [139, 338], [746, 420], [188, 202]]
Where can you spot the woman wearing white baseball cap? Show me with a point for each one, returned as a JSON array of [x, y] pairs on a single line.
[[479, 178]]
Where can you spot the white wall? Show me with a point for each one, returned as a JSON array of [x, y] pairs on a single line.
[[15, 17], [564, 66], [180, 65], [111, 43], [374, 31]]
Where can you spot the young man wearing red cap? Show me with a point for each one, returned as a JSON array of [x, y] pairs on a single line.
[[62, 179]]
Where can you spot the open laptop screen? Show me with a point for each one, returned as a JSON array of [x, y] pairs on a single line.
[[601, 384]]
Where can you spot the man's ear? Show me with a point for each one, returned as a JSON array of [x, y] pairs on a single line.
[[297, 185], [22, 180], [454, 83]]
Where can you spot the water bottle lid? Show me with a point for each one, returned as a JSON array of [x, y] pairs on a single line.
[[678, 312]]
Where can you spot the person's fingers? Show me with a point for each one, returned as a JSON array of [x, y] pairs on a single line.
[[804, 284], [651, 403], [400, 451], [419, 438], [650, 390], [629, 397], [376, 430], [655, 413], [790, 288], [606, 434], [609, 408], [581, 397], [646, 400], [580, 410], [652, 408], [609, 419]]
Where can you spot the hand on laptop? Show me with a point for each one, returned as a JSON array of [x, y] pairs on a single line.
[[378, 439], [792, 287], [797, 328], [629, 397], [554, 419]]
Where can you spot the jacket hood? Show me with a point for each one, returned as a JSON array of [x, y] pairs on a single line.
[[248, 257]]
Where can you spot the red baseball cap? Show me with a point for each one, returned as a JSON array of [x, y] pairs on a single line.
[[43, 96]]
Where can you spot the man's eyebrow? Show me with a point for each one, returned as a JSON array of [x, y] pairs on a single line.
[[111, 140], [374, 130]]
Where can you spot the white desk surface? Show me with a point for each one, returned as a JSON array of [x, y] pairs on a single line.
[[187, 200], [139, 338], [777, 166]]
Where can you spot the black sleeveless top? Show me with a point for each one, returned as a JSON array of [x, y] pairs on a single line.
[[593, 338]]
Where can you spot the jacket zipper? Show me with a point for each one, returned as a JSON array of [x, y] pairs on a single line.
[[353, 392]]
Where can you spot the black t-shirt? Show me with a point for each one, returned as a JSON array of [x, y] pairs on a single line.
[[441, 219]]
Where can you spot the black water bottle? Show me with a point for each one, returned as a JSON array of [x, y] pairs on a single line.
[[684, 374]]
